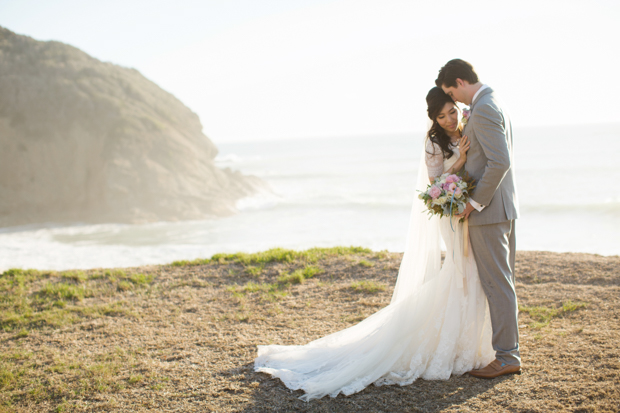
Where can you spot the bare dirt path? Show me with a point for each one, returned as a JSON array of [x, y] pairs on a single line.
[[183, 337]]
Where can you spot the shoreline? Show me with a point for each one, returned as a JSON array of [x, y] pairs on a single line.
[[584, 255]]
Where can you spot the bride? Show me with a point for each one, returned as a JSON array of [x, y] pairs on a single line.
[[437, 323]]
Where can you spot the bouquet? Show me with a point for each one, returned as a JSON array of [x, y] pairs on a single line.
[[448, 195]]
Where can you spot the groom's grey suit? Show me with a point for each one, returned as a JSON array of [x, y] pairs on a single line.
[[492, 230]]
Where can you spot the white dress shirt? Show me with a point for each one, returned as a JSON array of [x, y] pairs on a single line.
[[477, 93]]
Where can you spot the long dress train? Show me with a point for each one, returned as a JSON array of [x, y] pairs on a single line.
[[436, 325]]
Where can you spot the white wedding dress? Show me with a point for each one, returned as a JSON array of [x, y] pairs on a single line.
[[436, 325]]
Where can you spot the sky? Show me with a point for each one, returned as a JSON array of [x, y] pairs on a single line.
[[285, 69]]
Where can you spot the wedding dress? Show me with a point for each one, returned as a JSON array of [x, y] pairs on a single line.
[[437, 323]]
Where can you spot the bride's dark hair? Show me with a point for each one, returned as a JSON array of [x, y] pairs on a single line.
[[436, 100]]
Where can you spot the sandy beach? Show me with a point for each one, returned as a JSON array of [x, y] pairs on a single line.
[[182, 337]]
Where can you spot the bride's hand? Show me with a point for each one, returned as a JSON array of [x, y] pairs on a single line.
[[463, 147]]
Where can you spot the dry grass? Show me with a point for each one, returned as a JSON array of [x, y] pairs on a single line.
[[183, 337]]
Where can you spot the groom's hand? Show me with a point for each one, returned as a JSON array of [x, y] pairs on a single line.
[[466, 212]]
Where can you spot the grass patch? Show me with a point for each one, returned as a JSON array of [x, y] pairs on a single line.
[[296, 277], [141, 279], [60, 379], [255, 270], [63, 291], [19, 275], [77, 276], [65, 406], [311, 255], [33, 299], [382, 255], [269, 291], [114, 275], [366, 263], [194, 283], [116, 309], [366, 286], [262, 287], [135, 379], [542, 315], [310, 271], [191, 263], [124, 286], [7, 378], [569, 306], [299, 275]]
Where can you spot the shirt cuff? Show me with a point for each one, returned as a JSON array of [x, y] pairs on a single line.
[[476, 205]]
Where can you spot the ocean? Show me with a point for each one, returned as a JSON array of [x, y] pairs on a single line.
[[352, 191]]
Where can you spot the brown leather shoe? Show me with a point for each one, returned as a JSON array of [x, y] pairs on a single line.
[[495, 369]]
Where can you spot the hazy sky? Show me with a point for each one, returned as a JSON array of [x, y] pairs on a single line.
[[255, 69]]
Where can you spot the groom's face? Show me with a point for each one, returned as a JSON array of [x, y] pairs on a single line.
[[457, 93]]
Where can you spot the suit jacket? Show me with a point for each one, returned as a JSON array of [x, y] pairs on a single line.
[[490, 161]]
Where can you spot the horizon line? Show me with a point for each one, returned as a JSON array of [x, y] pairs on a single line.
[[389, 133]]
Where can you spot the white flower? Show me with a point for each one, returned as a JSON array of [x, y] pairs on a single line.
[[441, 200]]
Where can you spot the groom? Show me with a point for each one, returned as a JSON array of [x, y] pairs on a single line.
[[492, 209]]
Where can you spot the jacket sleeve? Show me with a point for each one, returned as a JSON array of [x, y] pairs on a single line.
[[491, 133]]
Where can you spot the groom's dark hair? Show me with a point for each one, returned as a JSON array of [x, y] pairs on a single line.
[[456, 69]]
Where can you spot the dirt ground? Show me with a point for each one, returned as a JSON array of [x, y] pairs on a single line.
[[182, 338]]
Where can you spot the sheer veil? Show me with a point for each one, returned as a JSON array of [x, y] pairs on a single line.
[[378, 349], [422, 255]]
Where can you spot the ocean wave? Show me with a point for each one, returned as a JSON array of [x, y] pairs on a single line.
[[271, 201], [315, 204], [603, 207], [407, 174], [260, 201], [234, 158], [317, 201]]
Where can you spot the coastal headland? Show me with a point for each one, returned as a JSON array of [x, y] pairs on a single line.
[[183, 336], [90, 141]]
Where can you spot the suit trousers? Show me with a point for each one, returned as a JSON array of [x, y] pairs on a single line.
[[494, 247]]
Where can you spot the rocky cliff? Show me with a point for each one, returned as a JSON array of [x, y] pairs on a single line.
[[84, 140]]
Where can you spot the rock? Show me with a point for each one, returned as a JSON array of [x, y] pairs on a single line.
[[87, 141]]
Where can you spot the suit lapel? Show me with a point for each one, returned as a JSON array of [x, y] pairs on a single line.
[[466, 129]]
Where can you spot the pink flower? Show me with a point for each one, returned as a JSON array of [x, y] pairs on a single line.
[[452, 178], [434, 192], [458, 193], [452, 187], [466, 113]]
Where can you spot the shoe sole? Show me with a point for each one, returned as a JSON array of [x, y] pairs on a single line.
[[494, 377]]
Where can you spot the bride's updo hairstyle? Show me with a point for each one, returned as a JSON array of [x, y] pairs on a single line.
[[436, 100]]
